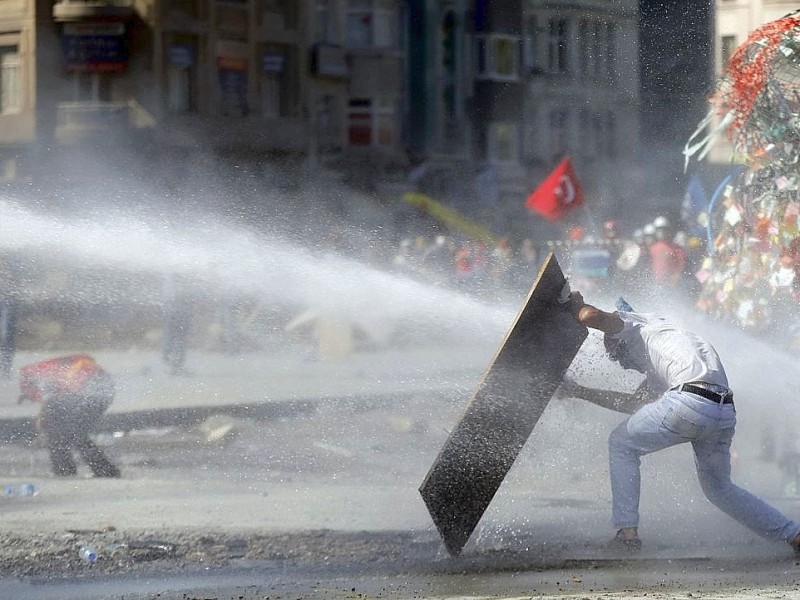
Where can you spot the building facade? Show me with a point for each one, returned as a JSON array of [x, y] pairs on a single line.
[[17, 83], [582, 95], [488, 95], [260, 78], [540, 80], [439, 78]]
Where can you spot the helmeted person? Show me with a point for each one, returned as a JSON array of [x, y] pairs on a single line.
[[667, 257], [685, 398], [74, 392]]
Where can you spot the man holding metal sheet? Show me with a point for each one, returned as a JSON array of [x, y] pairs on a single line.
[[684, 398]]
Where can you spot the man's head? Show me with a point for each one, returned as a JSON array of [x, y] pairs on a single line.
[[614, 348], [618, 351]]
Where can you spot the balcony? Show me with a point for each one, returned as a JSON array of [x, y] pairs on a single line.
[[254, 133], [78, 120], [74, 10]]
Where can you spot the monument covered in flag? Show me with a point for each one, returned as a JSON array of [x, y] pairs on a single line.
[[559, 194]]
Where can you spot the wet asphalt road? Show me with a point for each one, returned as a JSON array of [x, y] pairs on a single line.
[[322, 503]]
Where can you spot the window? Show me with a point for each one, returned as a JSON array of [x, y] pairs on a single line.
[[92, 87], [530, 47], [503, 142], [232, 75], [232, 21], [598, 51], [727, 48], [181, 75], [585, 132], [530, 141], [611, 53], [179, 98], [186, 8], [557, 49], [448, 91], [584, 50], [322, 23], [278, 86], [497, 57], [270, 95], [10, 80], [328, 124], [559, 134], [372, 23], [597, 135], [272, 82], [280, 14], [597, 56], [371, 122], [611, 134]]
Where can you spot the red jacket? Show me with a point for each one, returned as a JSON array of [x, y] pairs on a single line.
[[667, 261], [73, 374]]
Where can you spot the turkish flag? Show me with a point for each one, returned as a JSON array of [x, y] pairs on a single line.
[[559, 194]]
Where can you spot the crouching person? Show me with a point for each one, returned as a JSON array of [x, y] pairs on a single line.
[[74, 392]]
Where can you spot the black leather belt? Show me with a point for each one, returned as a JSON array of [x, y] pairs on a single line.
[[726, 398]]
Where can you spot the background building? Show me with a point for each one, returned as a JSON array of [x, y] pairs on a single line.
[[545, 80], [470, 101], [677, 76], [582, 97]]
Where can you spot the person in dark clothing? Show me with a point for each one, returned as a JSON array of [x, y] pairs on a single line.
[[177, 323], [9, 277], [74, 393]]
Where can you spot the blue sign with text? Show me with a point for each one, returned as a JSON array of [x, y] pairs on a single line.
[[94, 50]]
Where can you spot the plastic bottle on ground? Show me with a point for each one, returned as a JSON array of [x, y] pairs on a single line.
[[20, 490], [87, 554]]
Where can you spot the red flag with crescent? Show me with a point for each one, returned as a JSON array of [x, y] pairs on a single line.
[[559, 194]]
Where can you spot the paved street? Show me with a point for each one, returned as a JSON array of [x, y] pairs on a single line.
[[320, 499], [258, 383]]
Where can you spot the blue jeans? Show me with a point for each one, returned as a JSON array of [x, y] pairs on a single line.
[[675, 418]]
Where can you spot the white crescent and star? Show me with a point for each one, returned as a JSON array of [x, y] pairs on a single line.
[[565, 190]]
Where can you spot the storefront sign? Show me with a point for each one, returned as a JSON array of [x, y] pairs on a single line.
[[272, 62], [231, 63], [94, 47]]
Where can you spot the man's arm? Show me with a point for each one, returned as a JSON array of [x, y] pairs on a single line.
[[616, 401], [593, 317]]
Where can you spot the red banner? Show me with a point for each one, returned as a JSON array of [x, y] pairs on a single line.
[[559, 194]]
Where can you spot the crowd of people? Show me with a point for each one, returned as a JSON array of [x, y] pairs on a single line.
[[739, 278], [610, 261], [469, 265]]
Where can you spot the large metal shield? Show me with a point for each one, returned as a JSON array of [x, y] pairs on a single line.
[[513, 392]]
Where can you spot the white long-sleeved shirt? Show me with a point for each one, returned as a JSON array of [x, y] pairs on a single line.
[[671, 353]]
